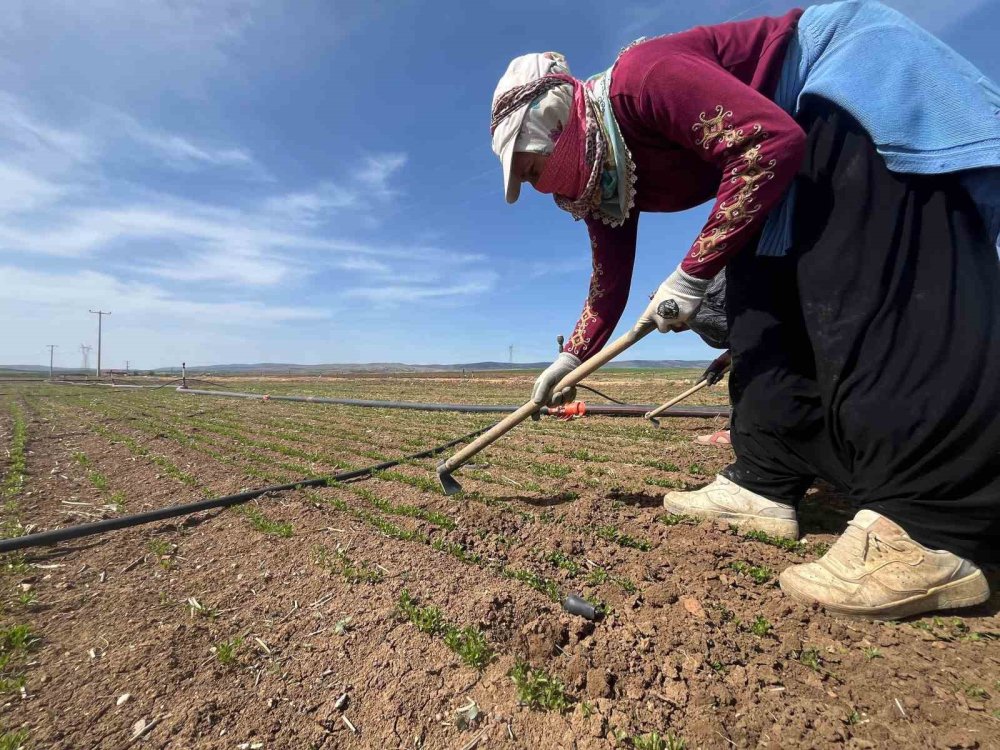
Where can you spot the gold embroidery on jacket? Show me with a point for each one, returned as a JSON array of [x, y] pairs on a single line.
[[579, 341], [749, 172]]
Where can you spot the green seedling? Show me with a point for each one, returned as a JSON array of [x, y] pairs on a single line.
[[426, 619], [760, 626], [697, 469], [197, 608], [469, 643], [582, 454], [556, 471], [163, 550], [539, 583], [872, 653], [789, 545], [341, 627], [14, 740], [538, 689], [27, 598], [976, 692], [615, 535], [410, 511], [854, 717], [811, 658], [661, 465], [561, 560], [657, 741], [758, 573], [16, 638], [670, 484], [340, 563], [265, 525], [677, 519], [225, 652], [458, 551]]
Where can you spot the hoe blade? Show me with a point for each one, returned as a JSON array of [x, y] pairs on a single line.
[[448, 483]]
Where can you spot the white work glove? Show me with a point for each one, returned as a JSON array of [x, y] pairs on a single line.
[[676, 300], [542, 392]]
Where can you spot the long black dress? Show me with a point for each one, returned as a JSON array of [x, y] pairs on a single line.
[[870, 355]]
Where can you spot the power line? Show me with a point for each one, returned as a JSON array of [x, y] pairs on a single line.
[[100, 317], [85, 350]]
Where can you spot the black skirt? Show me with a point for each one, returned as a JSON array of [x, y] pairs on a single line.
[[870, 355]]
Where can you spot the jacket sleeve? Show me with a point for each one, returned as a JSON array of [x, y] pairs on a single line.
[[613, 252], [757, 147]]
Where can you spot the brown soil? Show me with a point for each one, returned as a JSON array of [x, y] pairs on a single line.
[[144, 611]]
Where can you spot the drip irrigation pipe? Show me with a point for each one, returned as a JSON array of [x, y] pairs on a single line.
[[598, 393], [610, 410], [173, 511]]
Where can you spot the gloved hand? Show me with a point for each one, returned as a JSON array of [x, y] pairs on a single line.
[[719, 367], [676, 300], [542, 392]]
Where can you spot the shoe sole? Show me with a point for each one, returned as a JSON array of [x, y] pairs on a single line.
[[965, 592], [778, 527]]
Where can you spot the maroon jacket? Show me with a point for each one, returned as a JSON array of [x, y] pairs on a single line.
[[696, 113]]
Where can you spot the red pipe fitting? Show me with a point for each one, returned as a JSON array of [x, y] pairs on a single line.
[[569, 411]]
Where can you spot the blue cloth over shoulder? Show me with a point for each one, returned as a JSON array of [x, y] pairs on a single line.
[[927, 109]]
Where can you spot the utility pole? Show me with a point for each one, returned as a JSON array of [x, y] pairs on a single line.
[[85, 351], [100, 317], [52, 348]]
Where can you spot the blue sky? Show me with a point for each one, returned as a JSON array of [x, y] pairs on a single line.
[[309, 181]]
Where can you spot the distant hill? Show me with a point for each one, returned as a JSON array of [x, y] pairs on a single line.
[[278, 368], [272, 368]]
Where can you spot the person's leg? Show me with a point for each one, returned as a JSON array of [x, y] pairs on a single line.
[[900, 293], [777, 426]]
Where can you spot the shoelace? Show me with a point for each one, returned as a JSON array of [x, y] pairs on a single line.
[[871, 539]]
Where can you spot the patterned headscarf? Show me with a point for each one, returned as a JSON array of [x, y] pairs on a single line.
[[590, 151], [590, 171], [544, 121]]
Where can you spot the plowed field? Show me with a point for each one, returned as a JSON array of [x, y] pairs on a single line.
[[381, 614]]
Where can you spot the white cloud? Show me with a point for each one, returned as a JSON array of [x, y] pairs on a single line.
[[75, 292], [312, 207], [27, 139], [376, 171], [21, 190], [393, 295], [174, 150]]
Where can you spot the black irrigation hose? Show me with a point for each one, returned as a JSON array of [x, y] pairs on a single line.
[[602, 395], [610, 410], [172, 511]]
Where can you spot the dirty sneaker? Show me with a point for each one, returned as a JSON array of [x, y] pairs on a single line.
[[726, 500], [875, 570]]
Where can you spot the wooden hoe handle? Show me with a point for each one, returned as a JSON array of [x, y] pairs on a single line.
[[513, 420]]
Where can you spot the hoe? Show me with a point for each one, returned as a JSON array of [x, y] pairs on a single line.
[[718, 368], [530, 409]]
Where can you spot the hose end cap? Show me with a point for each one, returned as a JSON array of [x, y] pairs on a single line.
[[577, 605]]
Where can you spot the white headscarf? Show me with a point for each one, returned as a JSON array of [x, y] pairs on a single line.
[[543, 123]]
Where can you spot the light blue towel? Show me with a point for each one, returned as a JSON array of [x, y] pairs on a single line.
[[927, 109]]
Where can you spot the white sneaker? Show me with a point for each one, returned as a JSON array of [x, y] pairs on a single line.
[[875, 570], [726, 500]]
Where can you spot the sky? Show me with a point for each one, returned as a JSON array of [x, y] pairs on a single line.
[[311, 181]]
